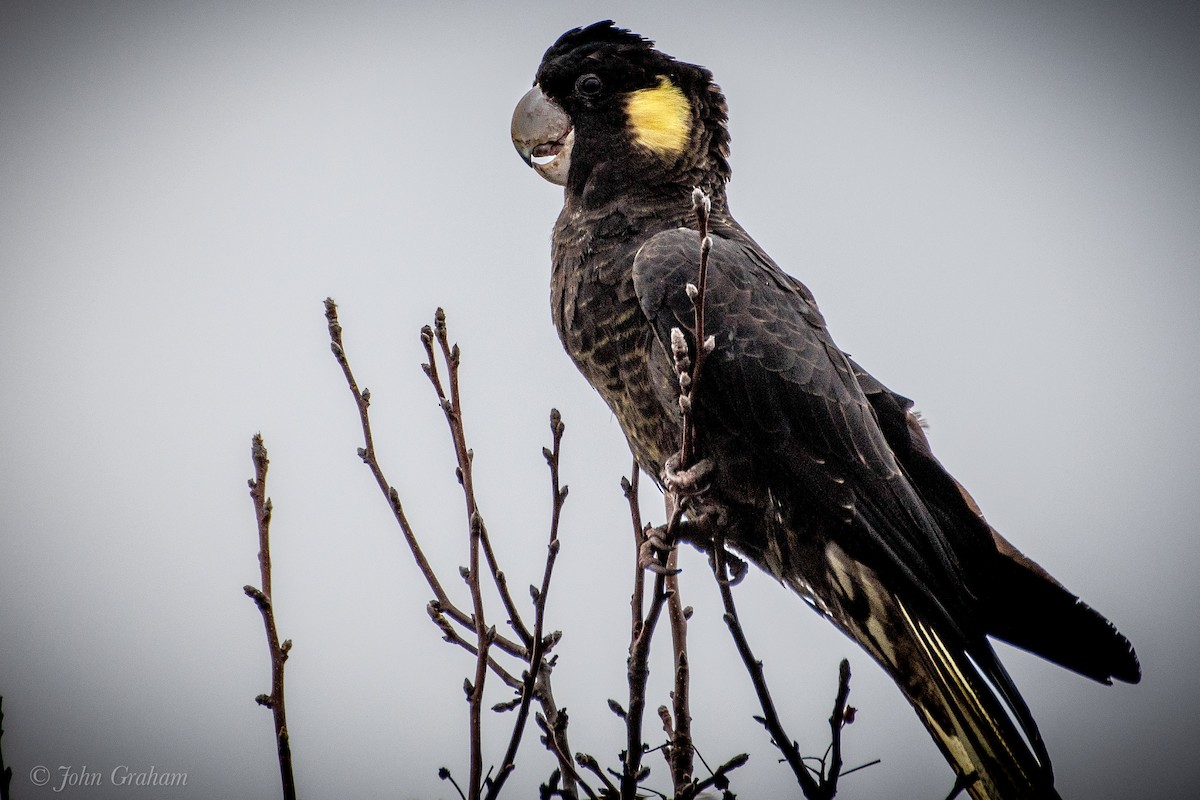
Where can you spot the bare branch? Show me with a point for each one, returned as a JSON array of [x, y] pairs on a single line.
[[658, 554], [639, 658], [630, 487], [485, 635], [362, 400], [684, 481], [452, 408], [837, 720], [702, 205], [680, 749], [718, 780], [591, 765], [540, 644], [770, 718], [533, 646], [824, 786], [262, 598], [449, 634], [445, 775], [553, 724]]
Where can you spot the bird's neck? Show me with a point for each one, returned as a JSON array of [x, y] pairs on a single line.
[[654, 206]]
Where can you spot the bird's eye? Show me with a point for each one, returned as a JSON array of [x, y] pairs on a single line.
[[589, 85]]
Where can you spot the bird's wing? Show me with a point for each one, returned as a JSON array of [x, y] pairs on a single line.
[[777, 382]]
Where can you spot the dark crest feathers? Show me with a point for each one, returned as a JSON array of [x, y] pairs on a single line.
[[595, 36]]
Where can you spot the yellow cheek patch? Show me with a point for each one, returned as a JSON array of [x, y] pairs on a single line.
[[660, 117]]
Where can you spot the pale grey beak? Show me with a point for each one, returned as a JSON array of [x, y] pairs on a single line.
[[542, 134]]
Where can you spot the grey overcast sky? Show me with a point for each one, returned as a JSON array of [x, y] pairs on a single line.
[[997, 205]]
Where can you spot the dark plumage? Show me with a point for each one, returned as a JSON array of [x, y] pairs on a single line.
[[826, 479]]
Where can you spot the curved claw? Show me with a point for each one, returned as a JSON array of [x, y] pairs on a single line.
[[737, 567], [688, 481], [652, 547]]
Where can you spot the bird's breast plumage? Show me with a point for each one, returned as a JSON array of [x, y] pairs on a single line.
[[604, 330]]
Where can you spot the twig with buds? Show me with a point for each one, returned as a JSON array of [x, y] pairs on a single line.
[[534, 647], [690, 369], [262, 599], [656, 555], [484, 634], [657, 552], [536, 679]]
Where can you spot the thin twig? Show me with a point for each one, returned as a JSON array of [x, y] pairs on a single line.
[[553, 724], [630, 487], [689, 367], [770, 718], [680, 751], [539, 645], [452, 408], [837, 721], [665, 590], [262, 598], [445, 775], [870, 763], [638, 672], [449, 634], [534, 646], [702, 205], [474, 689], [641, 631], [720, 778], [591, 765], [362, 399]]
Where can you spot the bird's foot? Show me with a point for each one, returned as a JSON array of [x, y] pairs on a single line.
[[654, 551], [735, 567], [686, 482], [687, 491], [697, 530]]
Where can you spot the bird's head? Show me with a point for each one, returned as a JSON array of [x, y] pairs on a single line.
[[608, 112]]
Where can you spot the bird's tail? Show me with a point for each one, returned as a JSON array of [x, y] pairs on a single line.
[[961, 693]]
